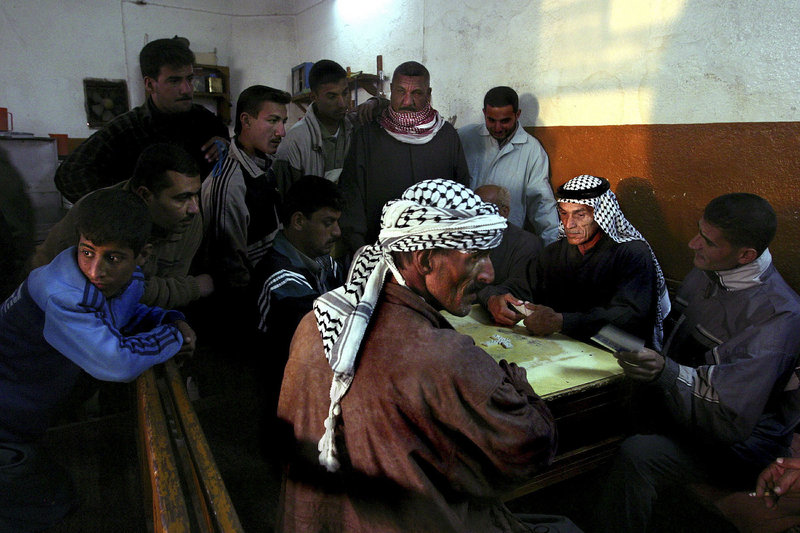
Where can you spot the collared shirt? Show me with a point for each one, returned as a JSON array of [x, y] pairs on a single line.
[[520, 165]]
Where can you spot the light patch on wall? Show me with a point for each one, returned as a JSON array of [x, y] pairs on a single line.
[[357, 11], [626, 15], [597, 107]]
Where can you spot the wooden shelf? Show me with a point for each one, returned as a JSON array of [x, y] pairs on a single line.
[[221, 99]]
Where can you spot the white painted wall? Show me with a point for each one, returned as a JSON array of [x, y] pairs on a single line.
[[572, 61], [583, 62], [49, 46]]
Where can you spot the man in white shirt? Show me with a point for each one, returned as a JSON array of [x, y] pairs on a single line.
[[501, 152]]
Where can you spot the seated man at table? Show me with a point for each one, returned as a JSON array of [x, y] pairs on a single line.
[[168, 180], [721, 401], [511, 257], [421, 430], [599, 271]]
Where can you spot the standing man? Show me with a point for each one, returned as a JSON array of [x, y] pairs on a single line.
[[240, 200], [318, 143], [722, 397], [431, 430], [409, 142], [501, 152], [168, 115], [168, 181]]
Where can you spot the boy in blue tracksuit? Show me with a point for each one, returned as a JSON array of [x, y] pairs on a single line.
[[79, 312]]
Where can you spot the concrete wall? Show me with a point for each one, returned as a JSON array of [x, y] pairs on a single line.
[[579, 62], [49, 46]]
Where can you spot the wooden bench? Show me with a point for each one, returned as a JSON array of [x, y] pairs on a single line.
[[181, 481]]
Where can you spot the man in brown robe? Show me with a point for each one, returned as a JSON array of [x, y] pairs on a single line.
[[399, 423]]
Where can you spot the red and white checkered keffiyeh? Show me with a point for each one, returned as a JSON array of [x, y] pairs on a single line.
[[411, 127]]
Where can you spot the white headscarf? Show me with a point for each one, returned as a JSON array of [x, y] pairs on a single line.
[[431, 214], [596, 192]]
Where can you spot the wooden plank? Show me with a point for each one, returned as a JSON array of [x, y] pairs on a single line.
[[159, 467], [219, 506]]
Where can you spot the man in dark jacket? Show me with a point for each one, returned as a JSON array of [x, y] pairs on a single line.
[[721, 400]]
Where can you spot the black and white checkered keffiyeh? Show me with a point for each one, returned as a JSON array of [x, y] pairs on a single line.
[[431, 214], [596, 192]]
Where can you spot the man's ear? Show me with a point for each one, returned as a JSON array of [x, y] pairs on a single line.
[[421, 259], [145, 252], [297, 221], [746, 255], [144, 193], [148, 84], [245, 119]]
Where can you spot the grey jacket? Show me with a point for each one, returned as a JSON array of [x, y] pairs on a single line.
[[302, 151], [731, 358]]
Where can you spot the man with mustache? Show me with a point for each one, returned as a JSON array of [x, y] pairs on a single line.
[[409, 142], [296, 270], [721, 401], [500, 152], [600, 271], [397, 422], [240, 198], [168, 180], [167, 116]]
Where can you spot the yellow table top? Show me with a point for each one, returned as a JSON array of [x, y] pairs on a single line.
[[555, 364]]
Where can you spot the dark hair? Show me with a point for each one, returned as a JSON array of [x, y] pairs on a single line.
[[412, 68], [745, 219], [172, 52], [251, 99], [154, 162], [114, 216], [325, 71], [308, 195], [501, 97]]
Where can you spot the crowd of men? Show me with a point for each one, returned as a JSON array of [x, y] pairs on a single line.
[[333, 247]]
